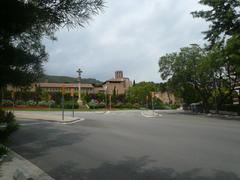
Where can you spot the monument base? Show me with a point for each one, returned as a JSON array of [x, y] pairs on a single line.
[[80, 103]]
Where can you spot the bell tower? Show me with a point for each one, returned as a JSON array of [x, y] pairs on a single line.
[[119, 75]]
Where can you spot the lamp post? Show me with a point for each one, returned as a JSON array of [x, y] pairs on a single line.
[[80, 103]]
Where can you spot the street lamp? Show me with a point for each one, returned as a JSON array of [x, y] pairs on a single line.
[[79, 71]]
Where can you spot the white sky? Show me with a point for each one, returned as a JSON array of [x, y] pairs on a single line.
[[130, 35]]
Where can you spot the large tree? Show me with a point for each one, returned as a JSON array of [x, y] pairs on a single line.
[[190, 74], [24, 23], [141, 92], [224, 36], [224, 19]]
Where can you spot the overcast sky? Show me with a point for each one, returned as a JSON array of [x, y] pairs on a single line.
[[130, 35]]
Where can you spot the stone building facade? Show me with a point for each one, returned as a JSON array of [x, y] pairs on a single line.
[[119, 83]]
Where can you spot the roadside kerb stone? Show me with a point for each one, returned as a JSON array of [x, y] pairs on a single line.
[[44, 117], [151, 114]]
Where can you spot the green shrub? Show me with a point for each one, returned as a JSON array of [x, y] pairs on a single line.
[[20, 102], [43, 103], [3, 150], [6, 102], [159, 105], [31, 103], [118, 105], [8, 125], [136, 106], [69, 105], [128, 105], [231, 108], [174, 106], [94, 105]]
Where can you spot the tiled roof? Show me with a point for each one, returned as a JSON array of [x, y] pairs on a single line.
[[66, 85]]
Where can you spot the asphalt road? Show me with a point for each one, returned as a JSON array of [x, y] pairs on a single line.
[[129, 146]]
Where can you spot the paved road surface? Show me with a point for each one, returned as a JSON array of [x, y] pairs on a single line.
[[129, 146]]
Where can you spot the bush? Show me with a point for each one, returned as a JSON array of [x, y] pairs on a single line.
[[69, 105], [20, 102], [128, 105], [174, 106], [136, 106], [94, 105], [3, 150], [231, 108], [6, 102], [8, 125], [31, 103], [118, 105], [52, 103], [43, 103], [159, 105]]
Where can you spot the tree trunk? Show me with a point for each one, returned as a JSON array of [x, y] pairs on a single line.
[[205, 106]]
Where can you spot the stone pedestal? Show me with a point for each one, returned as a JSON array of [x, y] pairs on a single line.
[[80, 103]]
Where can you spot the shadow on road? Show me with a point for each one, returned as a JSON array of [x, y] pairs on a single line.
[[133, 169], [33, 144]]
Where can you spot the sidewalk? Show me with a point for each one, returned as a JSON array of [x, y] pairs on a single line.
[[43, 116], [15, 167]]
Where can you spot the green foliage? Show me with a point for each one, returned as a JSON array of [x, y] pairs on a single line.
[[95, 105], [69, 105], [140, 93], [231, 108], [8, 125], [187, 73], [197, 74], [6, 102], [223, 17], [3, 150], [21, 50], [158, 104], [99, 97]]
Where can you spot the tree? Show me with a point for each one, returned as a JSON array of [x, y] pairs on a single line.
[[224, 49], [189, 74], [134, 83], [23, 25], [199, 74], [140, 92], [224, 19]]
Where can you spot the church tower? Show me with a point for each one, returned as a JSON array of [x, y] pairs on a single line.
[[119, 75]]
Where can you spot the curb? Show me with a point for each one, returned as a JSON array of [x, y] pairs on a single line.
[[56, 121], [151, 116]]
